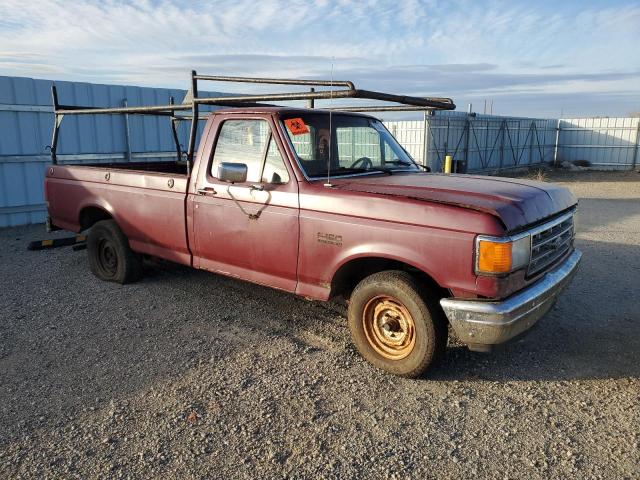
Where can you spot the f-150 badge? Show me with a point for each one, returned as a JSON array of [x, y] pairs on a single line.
[[330, 239]]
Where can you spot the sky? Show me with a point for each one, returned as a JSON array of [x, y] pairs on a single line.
[[533, 58]]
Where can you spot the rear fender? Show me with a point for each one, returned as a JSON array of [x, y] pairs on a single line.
[[97, 205]]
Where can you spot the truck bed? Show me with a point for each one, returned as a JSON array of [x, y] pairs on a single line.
[[147, 200]]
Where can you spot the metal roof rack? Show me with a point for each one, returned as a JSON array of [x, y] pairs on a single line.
[[192, 101]]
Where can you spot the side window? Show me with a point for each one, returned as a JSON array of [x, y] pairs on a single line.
[[274, 169], [242, 141]]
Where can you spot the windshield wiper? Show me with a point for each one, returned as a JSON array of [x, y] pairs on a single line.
[[408, 164], [347, 170], [374, 169]]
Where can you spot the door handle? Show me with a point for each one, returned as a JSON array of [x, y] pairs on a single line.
[[206, 191]]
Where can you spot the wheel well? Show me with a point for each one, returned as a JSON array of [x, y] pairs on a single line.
[[91, 215], [352, 272]]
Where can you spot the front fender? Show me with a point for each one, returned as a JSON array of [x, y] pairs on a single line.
[[399, 253]]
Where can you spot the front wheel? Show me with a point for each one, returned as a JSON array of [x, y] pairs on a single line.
[[395, 325]]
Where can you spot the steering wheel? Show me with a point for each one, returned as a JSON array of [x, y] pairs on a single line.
[[363, 162]]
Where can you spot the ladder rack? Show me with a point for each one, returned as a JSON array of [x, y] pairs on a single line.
[[336, 89]]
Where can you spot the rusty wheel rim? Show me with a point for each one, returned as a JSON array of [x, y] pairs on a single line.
[[389, 327]]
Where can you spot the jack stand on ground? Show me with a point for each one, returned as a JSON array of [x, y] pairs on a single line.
[[77, 241]]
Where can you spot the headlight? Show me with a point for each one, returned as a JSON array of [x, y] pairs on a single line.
[[498, 255]]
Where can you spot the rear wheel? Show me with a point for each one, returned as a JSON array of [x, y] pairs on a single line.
[[396, 325], [110, 257]]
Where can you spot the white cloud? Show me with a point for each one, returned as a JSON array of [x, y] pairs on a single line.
[[411, 46]]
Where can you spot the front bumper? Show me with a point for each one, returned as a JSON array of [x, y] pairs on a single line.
[[481, 324]]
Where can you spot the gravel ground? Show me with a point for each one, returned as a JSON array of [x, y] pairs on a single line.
[[187, 374]]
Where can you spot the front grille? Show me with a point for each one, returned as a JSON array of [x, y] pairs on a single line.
[[549, 242]]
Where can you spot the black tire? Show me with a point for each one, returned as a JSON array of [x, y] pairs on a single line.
[[110, 257], [400, 306]]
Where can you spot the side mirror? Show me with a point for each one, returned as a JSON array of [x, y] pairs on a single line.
[[232, 172]]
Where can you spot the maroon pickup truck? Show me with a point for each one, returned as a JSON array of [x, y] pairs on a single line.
[[328, 204]]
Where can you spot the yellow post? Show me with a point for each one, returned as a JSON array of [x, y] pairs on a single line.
[[448, 162]]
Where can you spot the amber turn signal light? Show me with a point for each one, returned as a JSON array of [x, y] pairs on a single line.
[[494, 257], [499, 255]]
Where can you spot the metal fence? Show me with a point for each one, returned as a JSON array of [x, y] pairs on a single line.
[[26, 121], [610, 143], [411, 135], [487, 144], [478, 143], [481, 143]]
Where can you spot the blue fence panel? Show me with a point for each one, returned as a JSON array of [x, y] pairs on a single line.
[[26, 125]]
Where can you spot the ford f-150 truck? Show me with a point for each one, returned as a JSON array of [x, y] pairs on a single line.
[[324, 204]]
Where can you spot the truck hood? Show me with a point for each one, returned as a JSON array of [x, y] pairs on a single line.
[[515, 202]]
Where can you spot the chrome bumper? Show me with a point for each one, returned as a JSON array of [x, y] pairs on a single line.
[[483, 323]]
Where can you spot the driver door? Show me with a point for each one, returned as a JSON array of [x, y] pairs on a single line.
[[248, 230]]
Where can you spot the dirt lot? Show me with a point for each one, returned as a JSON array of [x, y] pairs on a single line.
[[187, 374]]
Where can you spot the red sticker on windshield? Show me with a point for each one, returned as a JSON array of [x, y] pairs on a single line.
[[296, 126]]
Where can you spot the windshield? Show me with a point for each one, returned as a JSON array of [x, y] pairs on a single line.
[[355, 145]]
